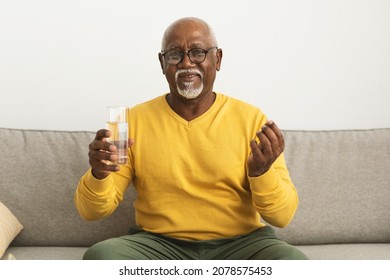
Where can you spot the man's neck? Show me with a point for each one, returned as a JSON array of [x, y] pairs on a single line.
[[190, 109]]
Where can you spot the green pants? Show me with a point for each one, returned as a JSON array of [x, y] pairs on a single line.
[[261, 244]]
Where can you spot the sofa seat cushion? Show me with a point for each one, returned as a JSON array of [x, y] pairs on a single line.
[[374, 251], [45, 253], [366, 251]]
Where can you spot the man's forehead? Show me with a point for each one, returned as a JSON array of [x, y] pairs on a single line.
[[191, 45], [192, 39]]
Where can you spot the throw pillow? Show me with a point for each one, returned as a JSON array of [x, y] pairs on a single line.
[[9, 228]]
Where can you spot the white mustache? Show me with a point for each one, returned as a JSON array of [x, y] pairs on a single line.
[[188, 71]]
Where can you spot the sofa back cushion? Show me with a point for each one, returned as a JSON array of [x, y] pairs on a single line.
[[343, 182], [342, 178], [38, 178]]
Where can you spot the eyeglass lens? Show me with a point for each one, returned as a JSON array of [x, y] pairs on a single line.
[[175, 57]]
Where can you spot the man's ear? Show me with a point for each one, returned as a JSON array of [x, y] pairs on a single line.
[[160, 58], [219, 59]]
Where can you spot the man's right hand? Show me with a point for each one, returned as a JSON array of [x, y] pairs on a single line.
[[102, 155]]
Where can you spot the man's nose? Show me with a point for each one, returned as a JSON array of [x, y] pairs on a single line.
[[186, 61]]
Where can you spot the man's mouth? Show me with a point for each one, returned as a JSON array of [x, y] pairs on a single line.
[[188, 76]]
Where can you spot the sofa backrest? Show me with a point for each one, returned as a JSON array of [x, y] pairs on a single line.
[[342, 178], [37, 183], [343, 182]]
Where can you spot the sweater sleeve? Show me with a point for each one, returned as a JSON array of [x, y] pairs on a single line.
[[274, 195], [95, 199]]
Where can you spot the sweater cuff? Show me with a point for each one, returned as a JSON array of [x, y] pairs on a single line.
[[265, 183], [95, 185]]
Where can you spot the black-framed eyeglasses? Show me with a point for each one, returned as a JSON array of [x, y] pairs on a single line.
[[196, 55]]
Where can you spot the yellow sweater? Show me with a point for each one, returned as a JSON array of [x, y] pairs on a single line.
[[191, 177]]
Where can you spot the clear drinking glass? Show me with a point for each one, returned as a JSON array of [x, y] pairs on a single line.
[[117, 123]]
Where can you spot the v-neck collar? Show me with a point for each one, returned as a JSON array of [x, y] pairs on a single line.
[[198, 119]]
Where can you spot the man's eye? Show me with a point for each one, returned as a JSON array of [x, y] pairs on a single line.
[[174, 55], [197, 53]]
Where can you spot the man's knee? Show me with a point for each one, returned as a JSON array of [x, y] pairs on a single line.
[[286, 252], [293, 253], [97, 252], [123, 248], [109, 249]]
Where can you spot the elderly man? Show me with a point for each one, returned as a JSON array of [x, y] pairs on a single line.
[[205, 167]]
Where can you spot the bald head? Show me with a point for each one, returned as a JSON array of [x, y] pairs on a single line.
[[190, 23]]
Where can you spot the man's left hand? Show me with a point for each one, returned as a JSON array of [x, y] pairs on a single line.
[[264, 153]]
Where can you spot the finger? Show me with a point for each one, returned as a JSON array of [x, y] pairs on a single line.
[[257, 163], [102, 145], [99, 142], [107, 166], [100, 155], [277, 132], [256, 152], [265, 144], [272, 139], [101, 134]]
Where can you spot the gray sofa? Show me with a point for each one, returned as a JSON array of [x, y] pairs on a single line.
[[343, 180]]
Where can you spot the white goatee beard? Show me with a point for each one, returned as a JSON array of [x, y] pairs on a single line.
[[189, 91]]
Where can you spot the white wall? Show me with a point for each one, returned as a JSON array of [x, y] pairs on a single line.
[[308, 64]]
